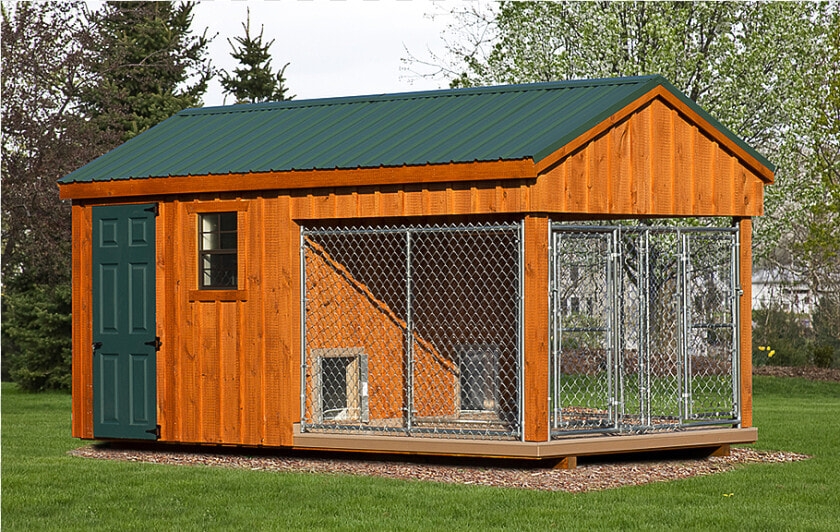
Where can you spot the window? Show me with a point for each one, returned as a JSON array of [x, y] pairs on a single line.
[[217, 263]]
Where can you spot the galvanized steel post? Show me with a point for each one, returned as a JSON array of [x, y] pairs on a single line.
[[303, 358], [409, 337]]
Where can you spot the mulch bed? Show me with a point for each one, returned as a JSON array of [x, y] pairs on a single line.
[[587, 477], [591, 475], [811, 373]]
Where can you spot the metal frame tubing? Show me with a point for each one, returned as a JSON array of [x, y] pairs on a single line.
[[621, 406], [409, 338], [454, 381], [303, 357]]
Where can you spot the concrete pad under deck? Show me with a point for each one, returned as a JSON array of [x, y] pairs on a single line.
[[567, 447]]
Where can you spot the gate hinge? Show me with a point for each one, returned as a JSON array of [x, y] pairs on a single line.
[[156, 343], [155, 431], [155, 209]]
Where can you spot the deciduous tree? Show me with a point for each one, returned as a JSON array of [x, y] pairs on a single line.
[[766, 70]]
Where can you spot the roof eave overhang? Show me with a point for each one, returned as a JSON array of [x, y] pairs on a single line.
[[547, 162], [302, 179]]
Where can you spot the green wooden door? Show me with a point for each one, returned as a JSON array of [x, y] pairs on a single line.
[[124, 342]]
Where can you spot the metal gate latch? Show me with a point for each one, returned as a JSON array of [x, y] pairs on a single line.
[[156, 343]]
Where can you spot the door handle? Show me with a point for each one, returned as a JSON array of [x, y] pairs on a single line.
[[97, 345], [156, 343]]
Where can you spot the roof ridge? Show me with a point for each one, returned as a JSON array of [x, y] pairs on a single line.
[[415, 95]]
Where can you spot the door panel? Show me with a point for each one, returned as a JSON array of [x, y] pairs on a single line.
[[582, 353], [711, 333], [124, 381]]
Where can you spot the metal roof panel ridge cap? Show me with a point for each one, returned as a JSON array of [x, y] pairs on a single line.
[[651, 82], [434, 93]]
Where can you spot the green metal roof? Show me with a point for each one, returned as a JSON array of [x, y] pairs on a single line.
[[510, 122]]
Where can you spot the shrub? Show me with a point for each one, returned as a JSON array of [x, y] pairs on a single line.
[[823, 356], [37, 331], [782, 334], [827, 330]]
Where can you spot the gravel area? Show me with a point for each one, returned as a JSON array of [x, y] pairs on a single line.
[[811, 373], [589, 476]]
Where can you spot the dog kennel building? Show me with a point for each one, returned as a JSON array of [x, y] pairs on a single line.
[[537, 271]]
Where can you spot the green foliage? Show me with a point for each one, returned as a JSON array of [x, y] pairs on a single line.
[[37, 333], [826, 324], [823, 356], [45, 64], [779, 339], [74, 83], [769, 71], [740, 61], [254, 81], [150, 66]]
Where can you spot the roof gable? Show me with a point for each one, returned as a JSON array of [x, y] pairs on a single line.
[[505, 123]]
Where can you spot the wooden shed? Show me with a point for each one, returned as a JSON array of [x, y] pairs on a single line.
[[499, 271]]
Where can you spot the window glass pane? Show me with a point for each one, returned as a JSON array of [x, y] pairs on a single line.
[[226, 261], [210, 241], [209, 222], [228, 221], [219, 269], [228, 241], [217, 244]]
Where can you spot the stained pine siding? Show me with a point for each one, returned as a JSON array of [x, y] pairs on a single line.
[[229, 368]]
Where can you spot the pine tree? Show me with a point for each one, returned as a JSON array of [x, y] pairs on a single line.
[[151, 66], [254, 81]]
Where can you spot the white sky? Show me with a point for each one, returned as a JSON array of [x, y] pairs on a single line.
[[334, 47]]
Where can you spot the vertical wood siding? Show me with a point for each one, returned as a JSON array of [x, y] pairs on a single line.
[[536, 328], [745, 225], [82, 378], [229, 368]]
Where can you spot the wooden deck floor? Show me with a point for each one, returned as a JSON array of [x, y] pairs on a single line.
[[711, 438]]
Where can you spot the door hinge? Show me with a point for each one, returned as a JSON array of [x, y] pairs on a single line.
[[155, 431], [154, 209], [156, 343]]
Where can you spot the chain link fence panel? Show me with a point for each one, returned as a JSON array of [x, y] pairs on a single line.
[[644, 328], [413, 330]]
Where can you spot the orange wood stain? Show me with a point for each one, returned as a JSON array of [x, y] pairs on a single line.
[[229, 368], [745, 224], [535, 400]]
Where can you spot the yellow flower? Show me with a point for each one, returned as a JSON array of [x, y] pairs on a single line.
[[771, 353], [761, 348]]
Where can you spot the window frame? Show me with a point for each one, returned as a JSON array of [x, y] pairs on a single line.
[[202, 253], [233, 293]]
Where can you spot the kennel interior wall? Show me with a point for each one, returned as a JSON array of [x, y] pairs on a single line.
[[228, 370]]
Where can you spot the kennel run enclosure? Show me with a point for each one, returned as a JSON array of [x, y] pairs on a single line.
[[418, 329], [412, 329], [644, 328]]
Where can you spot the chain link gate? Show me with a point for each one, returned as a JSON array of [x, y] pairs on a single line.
[[644, 328], [413, 330]]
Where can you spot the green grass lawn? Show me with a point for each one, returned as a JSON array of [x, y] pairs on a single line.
[[44, 488]]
